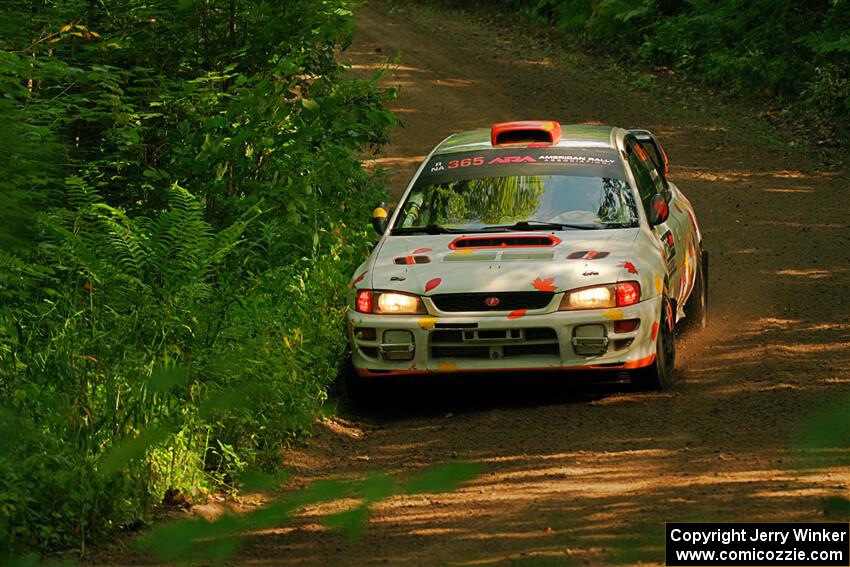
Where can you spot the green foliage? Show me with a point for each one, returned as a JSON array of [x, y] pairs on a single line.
[[823, 440], [198, 541], [796, 52], [179, 180]]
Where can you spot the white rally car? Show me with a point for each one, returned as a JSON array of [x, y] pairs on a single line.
[[532, 246]]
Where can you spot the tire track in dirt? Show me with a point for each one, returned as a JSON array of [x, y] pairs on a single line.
[[589, 472]]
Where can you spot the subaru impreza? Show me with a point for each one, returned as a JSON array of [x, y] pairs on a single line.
[[532, 246]]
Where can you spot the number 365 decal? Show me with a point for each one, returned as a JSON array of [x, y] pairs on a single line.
[[456, 163]]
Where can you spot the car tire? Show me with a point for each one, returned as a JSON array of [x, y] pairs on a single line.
[[659, 375], [696, 308]]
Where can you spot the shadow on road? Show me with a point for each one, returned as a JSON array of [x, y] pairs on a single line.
[[398, 398]]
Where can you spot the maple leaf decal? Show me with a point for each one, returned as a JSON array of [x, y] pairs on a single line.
[[432, 284], [544, 285]]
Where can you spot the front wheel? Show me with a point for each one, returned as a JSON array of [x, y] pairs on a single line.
[[659, 375]]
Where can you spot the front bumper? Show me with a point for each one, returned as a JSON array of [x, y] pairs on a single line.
[[487, 342]]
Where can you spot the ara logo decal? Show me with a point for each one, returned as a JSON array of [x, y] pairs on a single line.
[[438, 166], [512, 159]]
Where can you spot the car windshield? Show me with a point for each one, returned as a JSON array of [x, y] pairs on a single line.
[[520, 201]]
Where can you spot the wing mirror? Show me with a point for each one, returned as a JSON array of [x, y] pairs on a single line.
[[659, 210], [380, 216]]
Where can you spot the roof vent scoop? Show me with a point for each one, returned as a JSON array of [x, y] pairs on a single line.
[[525, 132]]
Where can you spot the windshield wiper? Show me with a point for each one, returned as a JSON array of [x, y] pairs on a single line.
[[430, 229], [540, 225], [618, 225]]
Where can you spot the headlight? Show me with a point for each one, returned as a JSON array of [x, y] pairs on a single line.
[[601, 296], [595, 297], [388, 303]]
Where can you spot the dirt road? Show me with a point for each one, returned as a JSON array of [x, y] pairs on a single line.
[[589, 472]]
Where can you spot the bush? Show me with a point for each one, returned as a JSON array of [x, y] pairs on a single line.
[[179, 183], [795, 52]]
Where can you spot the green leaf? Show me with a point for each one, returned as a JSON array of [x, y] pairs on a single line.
[[350, 522], [836, 507], [829, 427], [253, 481], [443, 478], [310, 104], [164, 378], [129, 450]]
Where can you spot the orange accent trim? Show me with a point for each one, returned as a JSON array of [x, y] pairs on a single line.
[[631, 365], [358, 279], [640, 363], [553, 241]]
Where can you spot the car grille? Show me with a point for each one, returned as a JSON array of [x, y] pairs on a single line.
[[508, 301], [494, 344]]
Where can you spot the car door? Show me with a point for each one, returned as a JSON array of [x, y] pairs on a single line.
[[651, 181], [681, 222]]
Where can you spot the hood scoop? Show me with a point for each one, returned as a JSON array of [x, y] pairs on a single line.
[[505, 241]]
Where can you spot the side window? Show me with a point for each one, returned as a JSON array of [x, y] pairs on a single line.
[[647, 186], [657, 160], [657, 179]]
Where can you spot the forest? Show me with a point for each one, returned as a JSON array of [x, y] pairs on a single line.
[[790, 56], [183, 203]]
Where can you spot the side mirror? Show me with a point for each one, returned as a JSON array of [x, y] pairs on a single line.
[[380, 216], [658, 210]]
